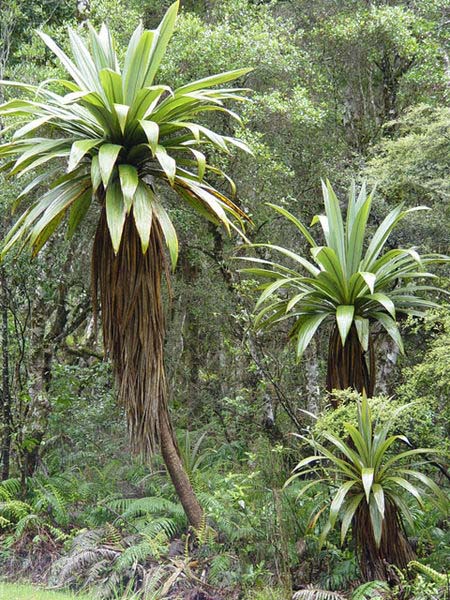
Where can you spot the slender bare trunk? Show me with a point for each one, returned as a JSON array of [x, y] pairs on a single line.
[[259, 384], [47, 331], [388, 353], [6, 391], [178, 475], [38, 411], [312, 379]]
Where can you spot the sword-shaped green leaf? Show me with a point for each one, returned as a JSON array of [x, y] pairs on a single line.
[[344, 319], [115, 214], [79, 149], [143, 203], [160, 41], [367, 474], [107, 157], [151, 130], [129, 181]]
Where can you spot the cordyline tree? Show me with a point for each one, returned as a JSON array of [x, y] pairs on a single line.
[[119, 134], [349, 283], [365, 489]]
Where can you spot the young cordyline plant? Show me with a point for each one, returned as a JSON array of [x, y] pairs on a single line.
[[349, 283], [367, 481], [119, 135]]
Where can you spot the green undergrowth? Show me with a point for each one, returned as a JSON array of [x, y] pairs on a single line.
[[9, 591]]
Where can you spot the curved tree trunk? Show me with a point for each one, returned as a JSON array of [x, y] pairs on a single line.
[[129, 286], [180, 479], [394, 547], [348, 365]]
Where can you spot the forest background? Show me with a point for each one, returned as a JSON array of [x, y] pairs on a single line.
[[348, 90]]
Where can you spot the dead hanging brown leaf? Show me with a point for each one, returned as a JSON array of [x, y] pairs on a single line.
[[349, 366], [129, 288]]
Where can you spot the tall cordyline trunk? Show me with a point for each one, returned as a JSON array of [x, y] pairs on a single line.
[[348, 366], [129, 287]]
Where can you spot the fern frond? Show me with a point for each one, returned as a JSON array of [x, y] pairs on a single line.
[[26, 523], [369, 590], [9, 489], [201, 533], [113, 535], [75, 564], [219, 568], [435, 576], [58, 534], [140, 552], [152, 582], [52, 496], [90, 538], [119, 505], [152, 505], [15, 509], [96, 571], [156, 525], [4, 523]]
